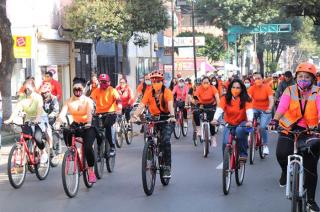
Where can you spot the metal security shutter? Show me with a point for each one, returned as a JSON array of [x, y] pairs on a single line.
[[53, 53]]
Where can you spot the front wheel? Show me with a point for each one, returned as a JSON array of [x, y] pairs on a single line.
[[56, 150], [226, 170], [99, 150], [206, 141], [129, 133], [149, 169], [86, 174], [177, 129], [240, 171], [195, 138], [70, 173], [252, 148], [184, 127], [110, 160], [42, 169], [118, 134], [296, 202], [17, 162], [258, 141]]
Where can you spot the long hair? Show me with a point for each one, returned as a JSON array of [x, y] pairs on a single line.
[[217, 83], [244, 97]]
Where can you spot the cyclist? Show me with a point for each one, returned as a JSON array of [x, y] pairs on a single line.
[[247, 83], [274, 82], [55, 85], [144, 85], [31, 105], [80, 107], [92, 84], [236, 106], [214, 81], [190, 99], [263, 100], [207, 96], [299, 108], [108, 102], [126, 96], [288, 81], [180, 93], [160, 102]]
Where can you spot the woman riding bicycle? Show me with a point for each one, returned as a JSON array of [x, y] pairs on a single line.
[[206, 96], [126, 97], [31, 106], [237, 108], [80, 107], [299, 109], [180, 93], [160, 102]]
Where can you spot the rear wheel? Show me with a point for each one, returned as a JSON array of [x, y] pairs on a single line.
[[86, 174], [148, 169], [195, 138], [42, 169], [177, 128], [118, 134], [99, 150], [240, 170], [184, 126], [56, 149], [17, 162], [164, 181], [206, 141], [226, 171], [70, 173], [252, 148]]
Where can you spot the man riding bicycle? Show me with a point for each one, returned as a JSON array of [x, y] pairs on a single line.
[[180, 93], [160, 102], [299, 109], [263, 100], [108, 102]]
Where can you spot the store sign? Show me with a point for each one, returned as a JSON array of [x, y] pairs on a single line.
[[184, 41], [22, 46]]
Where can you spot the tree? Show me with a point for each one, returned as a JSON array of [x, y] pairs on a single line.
[[7, 60]]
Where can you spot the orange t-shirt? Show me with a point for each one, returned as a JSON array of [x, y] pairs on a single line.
[[105, 99], [149, 100], [206, 96], [140, 88], [233, 114], [260, 96], [78, 109]]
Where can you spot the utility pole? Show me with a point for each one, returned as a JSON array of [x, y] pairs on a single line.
[[194, 43], [172, 36]]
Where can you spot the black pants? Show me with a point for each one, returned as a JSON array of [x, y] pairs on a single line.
[[109, 121], [210, 114], [37, 134], [88, 136], [181, 107], [165, 144], [285, 148], [126, 111]]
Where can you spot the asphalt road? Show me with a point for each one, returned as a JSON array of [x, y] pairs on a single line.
[[196, 185]]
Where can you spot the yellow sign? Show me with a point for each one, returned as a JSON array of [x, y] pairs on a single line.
[[22, 46]]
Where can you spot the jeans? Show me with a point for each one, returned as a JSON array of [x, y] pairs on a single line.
[[265, 119], [242, 136]]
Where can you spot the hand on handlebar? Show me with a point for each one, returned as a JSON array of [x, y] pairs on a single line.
[[172, 119], [273, 125]]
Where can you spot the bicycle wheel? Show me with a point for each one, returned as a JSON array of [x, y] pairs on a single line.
[[206, 141], [239, 171], [110, 160], [177, 129], [252, 147], [54, 161], [296, 203], [17, 162], [258, 141], [42, 169], [226, 170], [184, 127], [195, 138], [129, 133], [70, 173], [99, 158], [118, 134], [149, 169]]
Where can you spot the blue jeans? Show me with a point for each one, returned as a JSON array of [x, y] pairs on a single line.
[[242, 136], [265, 119]]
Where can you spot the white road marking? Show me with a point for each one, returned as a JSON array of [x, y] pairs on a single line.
[[220, 166]]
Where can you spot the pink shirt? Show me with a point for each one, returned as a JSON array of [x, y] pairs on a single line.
[[284, 106], [180, 92]]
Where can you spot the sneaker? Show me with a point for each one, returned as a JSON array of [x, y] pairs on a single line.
[[112, 152], [166, 172], [44, 157], [283, 180], [312, 206], [185, 124], [265, 150], [92, 176], [213, 141]]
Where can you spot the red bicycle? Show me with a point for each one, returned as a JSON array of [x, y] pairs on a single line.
[[255, 141], [74, 163], [231, 162], [25, 154], [181, 126]]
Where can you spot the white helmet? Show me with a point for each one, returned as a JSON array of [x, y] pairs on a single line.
[[275, 75]]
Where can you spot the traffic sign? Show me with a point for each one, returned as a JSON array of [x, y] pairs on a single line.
[[264, 28]]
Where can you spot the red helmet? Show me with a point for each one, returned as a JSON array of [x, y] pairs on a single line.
[[307, 67], [46, 87], [156, 74], [104, 77]]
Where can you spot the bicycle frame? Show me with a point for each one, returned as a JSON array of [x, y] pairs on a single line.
[[256, 126], [23, 142], [233, 146], [204, 121], [77, 157]]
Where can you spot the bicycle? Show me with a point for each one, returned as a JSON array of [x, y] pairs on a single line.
[[102, 149], [25, 153], [74, 163], [57, 138], [181, 126], [231, 162], [295, 190], [255, 142], [123, 130], [152, 157]]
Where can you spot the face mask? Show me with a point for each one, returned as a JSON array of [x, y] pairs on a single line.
[[181, 84], [258, 82], [157, 86], [148, 82], [28, 92], [303, 84], [206, 86], [77, 92], [247, 85], [235, 92], [104, 85], [214, 83]]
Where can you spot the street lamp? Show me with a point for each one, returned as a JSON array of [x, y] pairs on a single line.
[[172, 36], [194, 43]]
